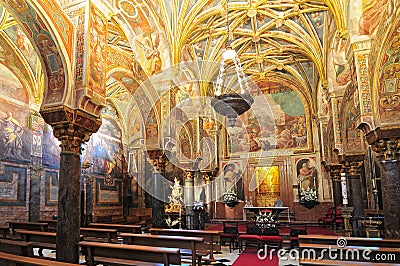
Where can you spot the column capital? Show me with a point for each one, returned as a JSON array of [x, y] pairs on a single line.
[[353, 167], [159, 160], [207, 176], [190, 174], [387, 149], [335, 170], [71, 127]]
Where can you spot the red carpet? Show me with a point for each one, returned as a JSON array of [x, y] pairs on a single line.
[[249, 257]]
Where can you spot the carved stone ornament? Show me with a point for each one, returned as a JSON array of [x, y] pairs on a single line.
[[387, 149]]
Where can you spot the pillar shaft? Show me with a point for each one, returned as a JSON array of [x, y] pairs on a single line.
[[390, 179], [188, 195], [68, 224], [158, 191]]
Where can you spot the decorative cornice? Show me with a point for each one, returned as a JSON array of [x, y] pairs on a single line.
[[335, 170]]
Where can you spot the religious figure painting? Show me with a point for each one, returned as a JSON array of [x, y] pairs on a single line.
[[307, 175], [283, 125], [232, 178]]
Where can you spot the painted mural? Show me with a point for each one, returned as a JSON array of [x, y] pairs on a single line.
[[232, 178], [104, 150], [51, 188], [15, 136], [12, 185], [389, 85], [307, 179], [372, 11], [352, 140], [281, 126], [51, 148]]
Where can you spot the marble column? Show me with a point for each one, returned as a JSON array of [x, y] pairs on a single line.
[[335, 171], [188, 195], [69, 208], [34, 188], [355, 190], [355, 194], [388, 151], [158, 191]]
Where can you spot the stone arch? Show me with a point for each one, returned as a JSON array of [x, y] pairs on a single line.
[[51, 49]]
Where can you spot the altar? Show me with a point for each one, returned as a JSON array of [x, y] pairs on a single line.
[[275, 211]]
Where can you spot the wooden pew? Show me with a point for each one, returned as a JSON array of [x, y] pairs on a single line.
[[28, 226], [121, 228], [30, 260], [41, 240], [210, 237], [99, 233], [4, 231], [335, 250], [351, 241], [52, 224], [16, 247], [188, 245], [117, 254]]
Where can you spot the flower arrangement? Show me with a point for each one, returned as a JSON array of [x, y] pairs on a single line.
[[308, 195], [230, 198], [265, 220], [175, 198]]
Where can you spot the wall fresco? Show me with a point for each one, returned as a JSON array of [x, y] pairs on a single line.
[[51, 148], [12, 186], [51, 188], [281, 126]]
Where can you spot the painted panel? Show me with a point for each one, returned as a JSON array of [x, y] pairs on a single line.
[[51, 148], [108, 194], [61, 22], [12, 186], [51, 188], [276, 121], [97, 54]]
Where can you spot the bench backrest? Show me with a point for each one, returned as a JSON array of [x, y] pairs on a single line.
[[31, 261], [122, 228], [35, 236], [182, 242], [16, 247], [166, 256], [28, 226], [208, 235], [351, 241]]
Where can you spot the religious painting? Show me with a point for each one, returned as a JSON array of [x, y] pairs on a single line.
[[148, 52], [268, 185], [306, 182], [231, 179], [97, 42], [276, 121], [372, 11], [51, 188], [152, 127], [186, 144], [108, 194], [15, 136], [136, 129], [51, 148], [12, 186], [104, 150]]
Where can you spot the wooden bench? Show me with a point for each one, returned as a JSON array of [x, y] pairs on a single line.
[[16, 247], [52, 224], [211, 237], [118, 219], [99, 233], [117, 254], [351, 241], [121, 228], [4, 231], [41, 240], [336, 250], [30, 260], [192, 246], [28, 226]]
